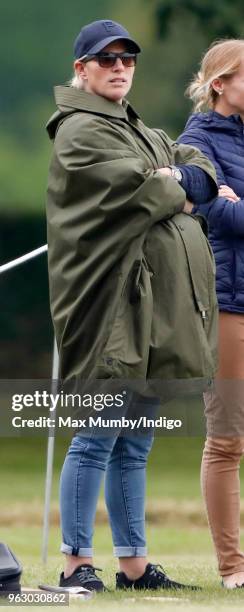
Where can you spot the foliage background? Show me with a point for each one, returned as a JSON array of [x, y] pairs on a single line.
[[36, 49]]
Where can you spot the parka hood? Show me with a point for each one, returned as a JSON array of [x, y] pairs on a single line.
[[54, 121], [213, 120], [69, 100]]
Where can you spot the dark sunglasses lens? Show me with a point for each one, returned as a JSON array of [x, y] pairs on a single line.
[[106, 61], [129, 61]]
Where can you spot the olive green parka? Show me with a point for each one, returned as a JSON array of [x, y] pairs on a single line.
[[132, 286]]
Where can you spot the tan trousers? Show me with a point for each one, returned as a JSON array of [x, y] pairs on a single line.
[[224, 409]]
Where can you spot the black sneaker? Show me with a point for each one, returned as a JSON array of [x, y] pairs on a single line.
[[152, 578], [84, 576]]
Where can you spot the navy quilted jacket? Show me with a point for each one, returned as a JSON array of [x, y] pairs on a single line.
[[222, 140]]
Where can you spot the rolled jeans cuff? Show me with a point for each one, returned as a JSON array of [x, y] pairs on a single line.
[[130, 551], [76, 551]]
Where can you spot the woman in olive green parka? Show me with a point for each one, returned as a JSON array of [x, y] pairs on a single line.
[[131, 286], [112, 212]]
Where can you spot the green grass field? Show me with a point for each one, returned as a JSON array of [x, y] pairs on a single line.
[[173, 468], [185, 553], [176, 532]]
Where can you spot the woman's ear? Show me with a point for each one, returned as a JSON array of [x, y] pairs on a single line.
[[217, 85], [80, 69]]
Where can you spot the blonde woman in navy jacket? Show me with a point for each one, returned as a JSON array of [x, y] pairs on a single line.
[[219, 133]]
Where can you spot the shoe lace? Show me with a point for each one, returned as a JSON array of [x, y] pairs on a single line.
[[155, 572], [88, 573]]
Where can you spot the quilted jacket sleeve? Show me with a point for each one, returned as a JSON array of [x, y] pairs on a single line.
[[198, 138], [221, 213], [227, 216]]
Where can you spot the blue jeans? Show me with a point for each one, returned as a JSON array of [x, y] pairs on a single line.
[[123, 459]]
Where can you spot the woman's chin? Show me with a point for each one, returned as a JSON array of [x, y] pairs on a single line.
[[115, 98], [117, 94]]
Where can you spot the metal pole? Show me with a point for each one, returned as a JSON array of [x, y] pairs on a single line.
[[50, 455], [55, 371], [23, 259]]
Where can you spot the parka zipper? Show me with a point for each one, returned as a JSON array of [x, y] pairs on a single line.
[[202, 308]]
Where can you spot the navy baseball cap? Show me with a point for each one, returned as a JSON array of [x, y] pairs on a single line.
[[96, 35]]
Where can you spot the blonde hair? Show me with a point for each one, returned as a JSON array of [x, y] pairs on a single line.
[[76, 80], [222, 59]]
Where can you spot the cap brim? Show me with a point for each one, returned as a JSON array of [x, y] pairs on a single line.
[[106, 41]]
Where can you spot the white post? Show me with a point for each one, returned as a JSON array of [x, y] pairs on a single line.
[[50, 455], [55, 371], [23, 259]]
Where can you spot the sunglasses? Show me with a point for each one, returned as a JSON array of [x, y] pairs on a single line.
[[108, 60]]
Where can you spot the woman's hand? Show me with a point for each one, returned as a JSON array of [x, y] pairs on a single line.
[[227, 192], [188, 207], [166, 171]]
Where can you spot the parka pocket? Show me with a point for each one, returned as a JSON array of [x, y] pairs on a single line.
[[129, 340], [136, 279], [135, 289]]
